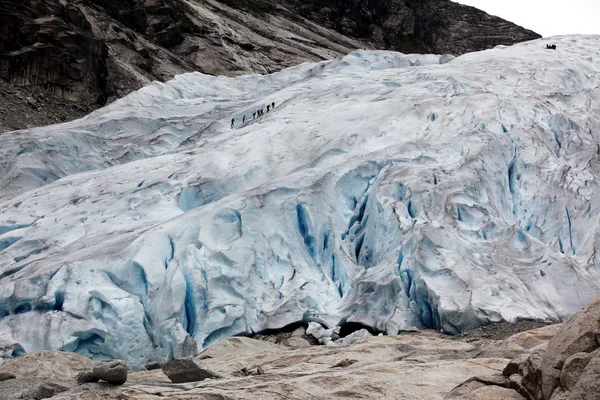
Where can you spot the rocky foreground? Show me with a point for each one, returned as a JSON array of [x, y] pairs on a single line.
[[426, 365], [555, 362]]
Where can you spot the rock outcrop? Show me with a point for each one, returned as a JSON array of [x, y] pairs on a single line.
[[568, 368], [61, 59]]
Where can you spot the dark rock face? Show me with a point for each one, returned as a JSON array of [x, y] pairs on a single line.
[[89, 52], [186, 370], [111, 371], [414, 26], [41, 50]]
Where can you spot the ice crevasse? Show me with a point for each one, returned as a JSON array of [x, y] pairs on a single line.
[[390, 190]]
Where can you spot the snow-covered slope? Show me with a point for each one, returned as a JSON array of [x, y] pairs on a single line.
[[385, 189]]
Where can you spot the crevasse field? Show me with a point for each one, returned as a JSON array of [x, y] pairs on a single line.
[[391, 190]]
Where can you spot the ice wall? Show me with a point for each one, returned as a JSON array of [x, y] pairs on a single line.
[[384, 189]]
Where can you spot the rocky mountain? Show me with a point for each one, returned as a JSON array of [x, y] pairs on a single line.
[[59, 59]]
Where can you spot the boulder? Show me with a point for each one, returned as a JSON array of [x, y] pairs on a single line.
[[567, 368], [186, 370], [86, 377], [111, 371], [254, 370], [588, 384], [578, 335], [514, 366], [573, 369], [153, 365]]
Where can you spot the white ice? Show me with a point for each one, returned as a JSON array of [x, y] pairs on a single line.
[[391, 190]]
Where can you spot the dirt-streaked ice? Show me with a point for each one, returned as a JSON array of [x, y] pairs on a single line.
[[384, 189]]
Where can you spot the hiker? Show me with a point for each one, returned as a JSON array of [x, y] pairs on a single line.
[[232, 122], [273, 105], [268, 108], [254, 115], [244, 119]]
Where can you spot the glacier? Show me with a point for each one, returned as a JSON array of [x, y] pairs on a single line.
[[384, 190]]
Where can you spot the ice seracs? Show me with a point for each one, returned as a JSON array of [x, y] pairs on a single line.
[[393, 191]]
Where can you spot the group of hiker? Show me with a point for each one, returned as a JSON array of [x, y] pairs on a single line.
[[550, 47], [255, 114]]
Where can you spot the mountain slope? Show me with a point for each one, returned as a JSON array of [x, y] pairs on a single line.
[[86, 53], [387, 190]]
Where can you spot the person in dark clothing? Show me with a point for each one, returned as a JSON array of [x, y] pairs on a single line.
[[273, 105], [232, 122], [268, 108], [244, 119], [254, 115]]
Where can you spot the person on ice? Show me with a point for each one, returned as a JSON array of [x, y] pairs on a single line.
[[268, 108], [244, 119], [273, 105], [232, 122], [254, 115]]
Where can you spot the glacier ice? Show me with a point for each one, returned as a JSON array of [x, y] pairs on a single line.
[[388, 190]]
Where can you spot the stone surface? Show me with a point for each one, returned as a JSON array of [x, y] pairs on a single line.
[[588, 384], [43, 391], [426, 365], [573, 368], [186, 370], [492, 393], [66, 58], [54, 365], [111, 371]]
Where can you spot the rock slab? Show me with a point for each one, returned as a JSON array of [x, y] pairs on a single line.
[[186, 370], [111, 371]]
